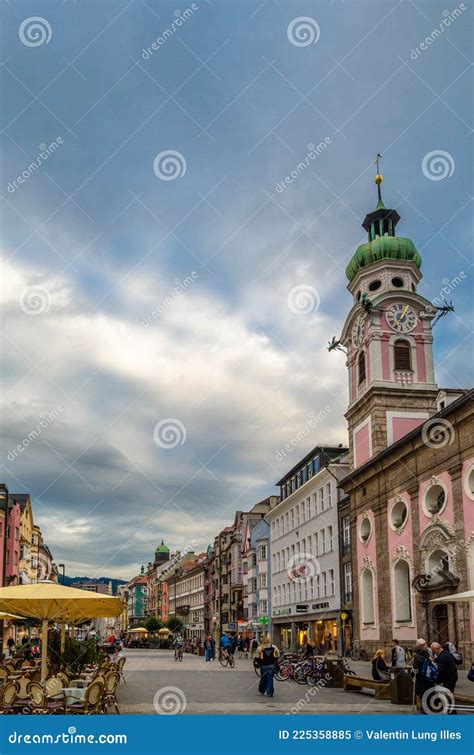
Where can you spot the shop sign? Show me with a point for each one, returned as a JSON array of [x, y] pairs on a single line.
[[318, 606], [302, 608], [282, 612], [232, 627]]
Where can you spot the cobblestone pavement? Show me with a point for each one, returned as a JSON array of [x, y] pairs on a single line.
[[156, 683]]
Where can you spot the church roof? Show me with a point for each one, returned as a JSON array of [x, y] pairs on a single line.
[[384, 247], [162, 548]]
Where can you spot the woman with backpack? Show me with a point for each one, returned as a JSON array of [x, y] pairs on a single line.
[[424, 670]]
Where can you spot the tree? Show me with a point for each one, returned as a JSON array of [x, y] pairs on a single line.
[[153, 624], [174, 623]]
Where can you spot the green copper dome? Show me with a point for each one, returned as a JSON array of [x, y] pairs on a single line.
[[381, 248], [162, 548]]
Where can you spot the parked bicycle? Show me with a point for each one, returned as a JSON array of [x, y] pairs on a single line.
[[358, 653]]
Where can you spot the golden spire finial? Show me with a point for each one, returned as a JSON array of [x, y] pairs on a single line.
[[378, 177]]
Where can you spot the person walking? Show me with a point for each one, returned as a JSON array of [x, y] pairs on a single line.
[[309, 649], [380, 671], [10, 646], [447, 671], [267, 655], [254, 647], [398, 655], [328, 643], [424, 672], [208, 648], [241, 646]]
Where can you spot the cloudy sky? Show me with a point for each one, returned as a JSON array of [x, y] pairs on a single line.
[[168, 295]]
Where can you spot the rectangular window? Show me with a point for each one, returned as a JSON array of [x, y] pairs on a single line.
[[310, 470], [263, 579], [316, 464], [303, 475], [292, 515], [263, 552], [308, 509], [297, 515], [324, 585], [303, 513], [328, 494], [298, 479], [347, 582], [293, 484], [318, 586], [346, 531], [322, 538], [321, 499], [331, 581], [330, 546]]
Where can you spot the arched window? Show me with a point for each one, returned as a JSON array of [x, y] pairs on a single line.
[[361, 367], [402, 355], [367, 591], [401, 579]]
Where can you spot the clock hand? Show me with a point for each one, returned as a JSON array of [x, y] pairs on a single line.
[[402, 316]]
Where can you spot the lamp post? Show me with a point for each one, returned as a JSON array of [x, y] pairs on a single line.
[[4, 502]]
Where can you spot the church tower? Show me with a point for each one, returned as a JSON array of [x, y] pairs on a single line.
[[388, 339]]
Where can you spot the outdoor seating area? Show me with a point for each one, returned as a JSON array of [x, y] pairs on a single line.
[[94, 692]]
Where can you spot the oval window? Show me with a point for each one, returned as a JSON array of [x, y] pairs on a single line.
[[435, 499], [374, 285], [397, 282], [365, 529], [399, 514]]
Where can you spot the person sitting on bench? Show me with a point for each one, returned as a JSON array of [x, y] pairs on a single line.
[[380, 672]]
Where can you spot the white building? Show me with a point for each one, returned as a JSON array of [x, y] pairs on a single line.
[[304, 548]]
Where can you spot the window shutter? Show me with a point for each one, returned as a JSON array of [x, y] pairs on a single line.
[[402, 355]]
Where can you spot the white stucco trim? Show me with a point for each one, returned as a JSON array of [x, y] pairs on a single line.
[[467, 489]]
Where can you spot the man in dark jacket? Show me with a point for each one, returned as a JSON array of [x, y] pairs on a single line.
[[422, 684], [447, 671]]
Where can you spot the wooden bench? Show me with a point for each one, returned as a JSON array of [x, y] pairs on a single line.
[[358, 683]]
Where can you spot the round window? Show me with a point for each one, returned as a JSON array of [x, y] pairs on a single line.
[[374, 285], [397, 282], [435, 499], [469, 483], [399, 514], [365, 529]]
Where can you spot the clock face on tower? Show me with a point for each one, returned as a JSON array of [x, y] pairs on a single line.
[[401, 317], [358, 331]]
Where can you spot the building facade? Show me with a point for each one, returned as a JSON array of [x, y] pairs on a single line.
[[411, 450], [257, 579], [304, 545], [137, 600]]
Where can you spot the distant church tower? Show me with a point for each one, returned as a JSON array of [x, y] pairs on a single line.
[[162, 554], [388, 338]]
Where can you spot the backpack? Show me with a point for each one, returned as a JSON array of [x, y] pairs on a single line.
[[457, 658], [428, 671], [470, 674]]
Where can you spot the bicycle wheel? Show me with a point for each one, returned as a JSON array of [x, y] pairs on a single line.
[[355, 654], [231, 660], [283, 671], [313, 677], [300, 674], [223, 660], [363, 655], [180, 656]]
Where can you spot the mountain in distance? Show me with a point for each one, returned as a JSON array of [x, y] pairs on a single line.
[[70, 581]]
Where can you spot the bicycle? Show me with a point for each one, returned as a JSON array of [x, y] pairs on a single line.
[[358, 653], [226, 658], [178, 654]]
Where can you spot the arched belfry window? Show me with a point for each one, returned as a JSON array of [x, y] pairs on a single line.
[[402, 355], [361, 367]]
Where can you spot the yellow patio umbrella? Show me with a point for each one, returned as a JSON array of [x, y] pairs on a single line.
[[164, 631], [8, 616], [48, 601], [139, 630]]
